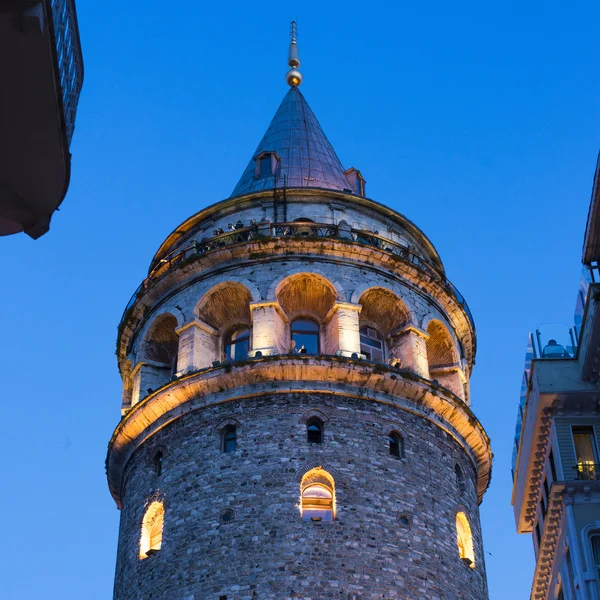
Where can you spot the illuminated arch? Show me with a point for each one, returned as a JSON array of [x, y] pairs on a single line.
[[464, 539], [225, 305], [441, 350], [161, 341], [152, 529], [317, 496]]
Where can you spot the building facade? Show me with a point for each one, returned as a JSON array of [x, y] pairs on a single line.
[[556, 472], [296, 407], [41, 70]]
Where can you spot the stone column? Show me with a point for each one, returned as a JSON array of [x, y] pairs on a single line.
[[270, 334], [198, 347], [451, 377], [342, 329], [409, 347], [148, 376]]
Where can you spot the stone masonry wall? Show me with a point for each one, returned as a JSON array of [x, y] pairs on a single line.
[[267, 551]]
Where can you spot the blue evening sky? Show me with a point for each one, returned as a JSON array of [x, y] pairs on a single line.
[[479, 121]]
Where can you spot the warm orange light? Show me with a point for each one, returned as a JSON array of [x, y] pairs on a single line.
[[152, 529]]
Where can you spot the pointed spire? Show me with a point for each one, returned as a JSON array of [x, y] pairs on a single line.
[[301, 155], [293, 77]]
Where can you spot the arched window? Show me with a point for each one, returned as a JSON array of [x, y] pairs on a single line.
[[314, 431], [229, 439], [460, 478], [305, 335], [372, 344], [396, 444], [152, 529], [318, 496], [464, 539], [237, 343]]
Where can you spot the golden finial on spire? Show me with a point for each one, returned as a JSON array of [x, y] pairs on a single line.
[[293, 77]]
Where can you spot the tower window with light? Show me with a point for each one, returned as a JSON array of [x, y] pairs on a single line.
[[464, 538], [152, 529], [318, 496]]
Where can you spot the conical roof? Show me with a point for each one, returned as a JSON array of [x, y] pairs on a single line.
[[306, 158]]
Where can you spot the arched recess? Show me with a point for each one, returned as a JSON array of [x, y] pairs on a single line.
[[464, 539], [157, 357], [152, 529], [226, 310], [443, 358], [317, 496], [382, 321], [309, 298]]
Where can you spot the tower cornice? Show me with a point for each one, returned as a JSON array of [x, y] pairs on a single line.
[[292, 374]]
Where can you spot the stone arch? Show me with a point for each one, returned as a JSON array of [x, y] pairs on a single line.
[[224, 305], [317, 495], [276, 285], [306, 292], [340, 482], [313, 412], [441, 347], [160, 342], [384, 310], [464, 537], [224, 423], [152, 527]]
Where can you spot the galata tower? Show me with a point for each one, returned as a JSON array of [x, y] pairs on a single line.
[[296, 410]]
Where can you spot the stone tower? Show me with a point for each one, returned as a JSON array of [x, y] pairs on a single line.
[[296, 412]]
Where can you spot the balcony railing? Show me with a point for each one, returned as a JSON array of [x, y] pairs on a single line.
[[297, 230], [70, 60], [588, 471]]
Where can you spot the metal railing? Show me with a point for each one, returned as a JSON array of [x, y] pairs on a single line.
[[295, 230], [588, 472], [70, 59]]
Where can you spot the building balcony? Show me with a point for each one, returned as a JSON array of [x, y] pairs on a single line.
[[296, 231], [587, 471], [42, 73]]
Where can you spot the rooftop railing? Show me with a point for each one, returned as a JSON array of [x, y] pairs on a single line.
[[296, 230], [70, 59]]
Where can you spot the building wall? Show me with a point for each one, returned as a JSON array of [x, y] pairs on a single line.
[[268, 551]]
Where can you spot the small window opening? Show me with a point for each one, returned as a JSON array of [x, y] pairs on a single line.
[[464, 539], [229, 439], [305, 336], [372, 345], [265, 165], [314, 431], [395, 445], [158, 462], [317, 503], [237, 343], [460, 479], [152, 530]]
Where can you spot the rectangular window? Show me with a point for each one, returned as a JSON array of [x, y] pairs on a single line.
[[265, 166], [585, 452], [546, 489], [543, 506], [538, 535], [596, 552]]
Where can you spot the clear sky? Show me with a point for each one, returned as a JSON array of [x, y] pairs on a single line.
[[478, 121]]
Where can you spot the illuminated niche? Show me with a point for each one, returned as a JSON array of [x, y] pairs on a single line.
[[317, 496], [152, 529], [464, 539]]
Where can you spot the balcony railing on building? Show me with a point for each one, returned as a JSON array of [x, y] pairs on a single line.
[[588, 471], [240, 234]]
